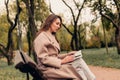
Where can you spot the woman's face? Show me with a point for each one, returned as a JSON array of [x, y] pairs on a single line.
[[55, 26]]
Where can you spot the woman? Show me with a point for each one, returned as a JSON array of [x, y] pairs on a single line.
[[54, 65]]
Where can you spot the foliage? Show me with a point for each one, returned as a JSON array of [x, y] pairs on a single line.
[[40, 13], [64, 39], [41, 10], [92, 38], [3, 29], [94, 42], [110, 10], [24, 44]]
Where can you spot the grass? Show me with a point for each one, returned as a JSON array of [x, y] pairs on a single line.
[[96, 57], [99, 57], [10, 73]]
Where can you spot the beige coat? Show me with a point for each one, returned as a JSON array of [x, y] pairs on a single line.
[[49, 61]]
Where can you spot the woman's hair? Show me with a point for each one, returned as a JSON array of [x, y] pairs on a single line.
[[49, 20]]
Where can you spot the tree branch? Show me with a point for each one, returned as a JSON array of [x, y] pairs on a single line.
[[117, 3], [106, 16], [80, 11], [50, 8], [8, 17], [70, 10], [2, 46], [13, 25], [76, 4], [3, 50], [67, 29]]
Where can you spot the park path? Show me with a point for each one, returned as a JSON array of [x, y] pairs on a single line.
[[103, 73]]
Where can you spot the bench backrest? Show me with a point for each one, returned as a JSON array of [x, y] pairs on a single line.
[[26, 65]]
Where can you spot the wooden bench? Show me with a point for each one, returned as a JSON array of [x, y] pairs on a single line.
[[26, 65]]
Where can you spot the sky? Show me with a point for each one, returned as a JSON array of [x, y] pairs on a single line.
[[1, 3], [1, 6], [58, 7]]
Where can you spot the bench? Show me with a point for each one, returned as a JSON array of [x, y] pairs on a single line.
[[26, 65]]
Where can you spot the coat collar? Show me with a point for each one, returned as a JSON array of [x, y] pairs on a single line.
[[52, 40]]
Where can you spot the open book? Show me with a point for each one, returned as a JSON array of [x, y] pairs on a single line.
[[78, 54]]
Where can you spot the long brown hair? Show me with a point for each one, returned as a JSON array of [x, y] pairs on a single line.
[[49, 20]]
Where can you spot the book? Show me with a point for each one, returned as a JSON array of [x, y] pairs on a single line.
[[78, 54]]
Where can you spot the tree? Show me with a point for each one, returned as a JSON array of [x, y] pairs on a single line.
[[75, 44], [104, 31], [7, 51], [114, 17], [32, 29]]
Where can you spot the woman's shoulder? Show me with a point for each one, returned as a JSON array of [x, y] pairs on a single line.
[[40, 36]]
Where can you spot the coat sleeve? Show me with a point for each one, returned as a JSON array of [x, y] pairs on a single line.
[[43, 53], [62, 55]]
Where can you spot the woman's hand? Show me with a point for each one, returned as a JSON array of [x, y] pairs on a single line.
[[67, 59], [71, 53]]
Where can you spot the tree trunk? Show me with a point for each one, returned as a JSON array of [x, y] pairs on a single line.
[[105, 37], [117, 38], [10, 60], [76, 39], [79, 39], [6, 54], [32, 27], [9, 49], [72, 42]]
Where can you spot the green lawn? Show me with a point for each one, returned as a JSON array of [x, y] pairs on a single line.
[[10, 73], [97, 57]]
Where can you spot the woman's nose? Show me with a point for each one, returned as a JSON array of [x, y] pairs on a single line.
[[58, 27]]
